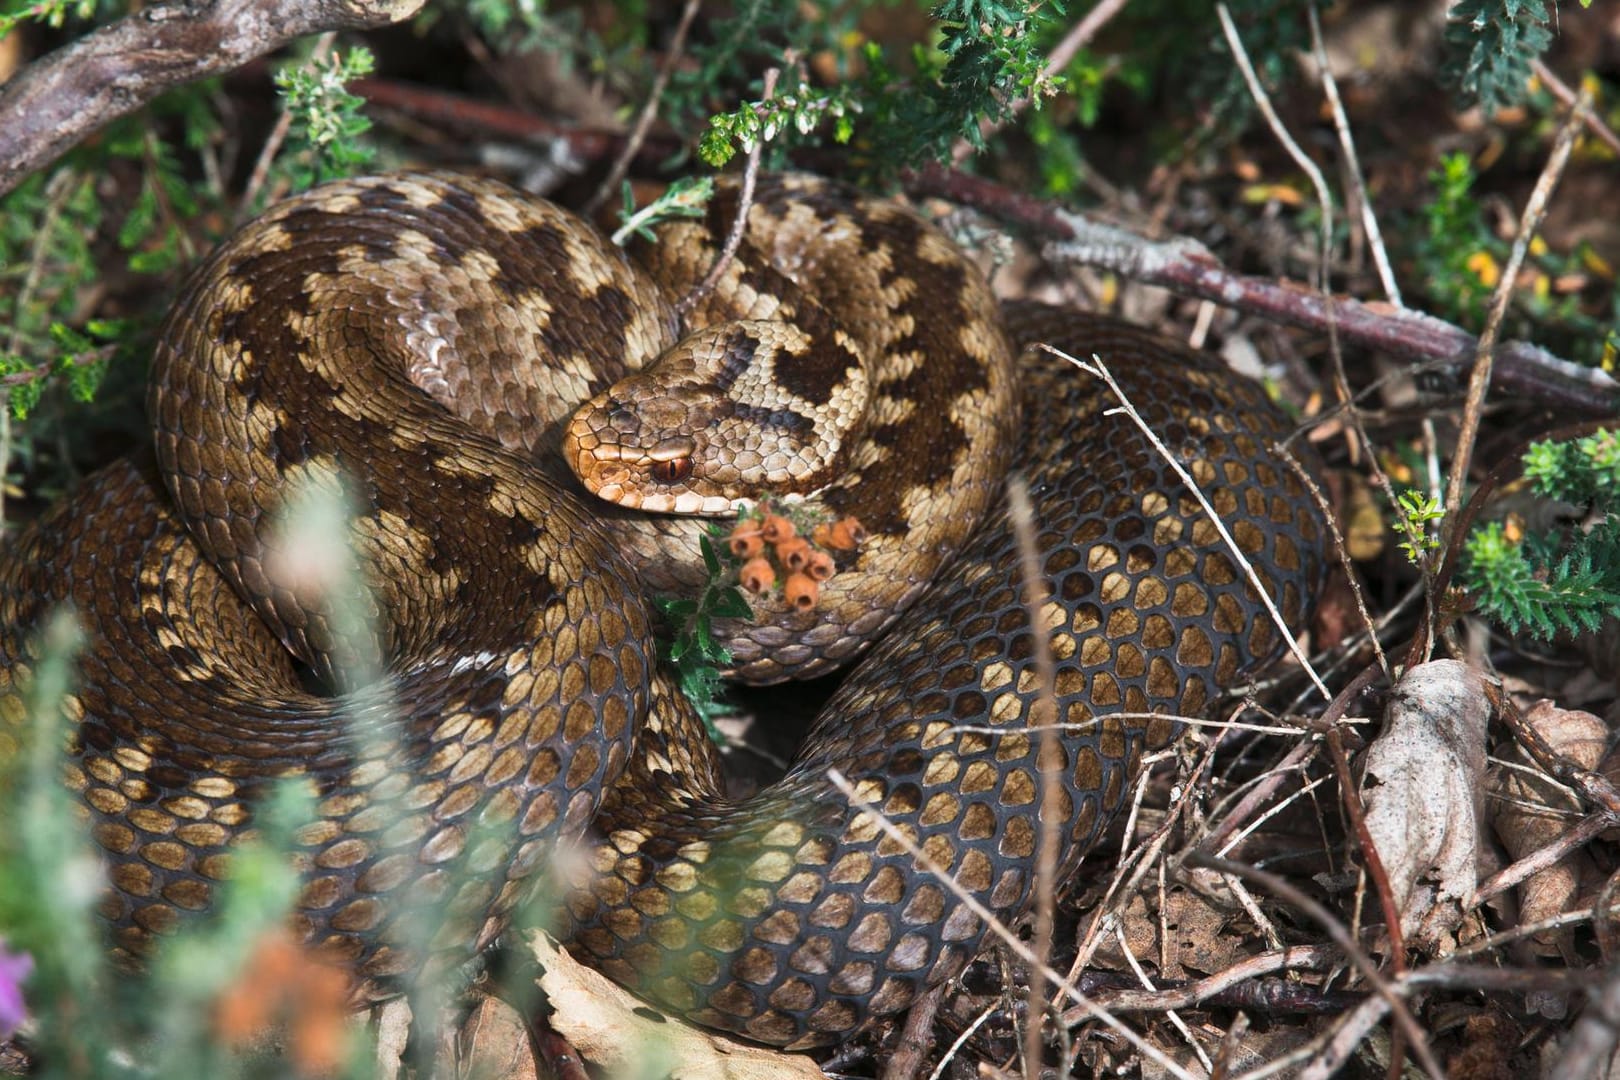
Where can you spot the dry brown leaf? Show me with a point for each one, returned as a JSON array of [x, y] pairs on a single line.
[[1422, 787], [1529, 812], [1200, 941], [493, 1042], [1365, 534], [616, 1031]]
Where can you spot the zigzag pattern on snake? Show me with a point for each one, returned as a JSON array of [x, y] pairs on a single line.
[[501, 694]]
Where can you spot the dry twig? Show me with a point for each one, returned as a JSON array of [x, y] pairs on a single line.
[[998, 928], [1352, 162], [1341, 937], [649, 112], [61, 98], [1042, 715], [1186, 267], [745, 199], [278, 134], [1479, 381]]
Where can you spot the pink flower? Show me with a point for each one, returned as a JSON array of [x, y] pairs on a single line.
[[14, 968]]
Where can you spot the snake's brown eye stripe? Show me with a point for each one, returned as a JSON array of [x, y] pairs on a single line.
[[416, 342]]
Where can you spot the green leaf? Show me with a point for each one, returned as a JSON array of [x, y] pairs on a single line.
[[729, 603], [675, 608], [707, 648]]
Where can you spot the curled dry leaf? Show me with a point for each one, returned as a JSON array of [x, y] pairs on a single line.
[[1197, 937], [1422, 789], [1529, 811], [493, 1042], [620, 1034]]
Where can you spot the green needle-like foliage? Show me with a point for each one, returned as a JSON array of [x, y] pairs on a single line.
[[1567, 580], [1491, 45]]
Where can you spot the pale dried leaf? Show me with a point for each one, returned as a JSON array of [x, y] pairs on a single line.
[[392, 1020], [617, 1032], [1199, 941], [493, 1042], [1422, 787], [1529, 812]]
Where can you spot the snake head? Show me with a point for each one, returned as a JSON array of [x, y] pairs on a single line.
[[716, 422]]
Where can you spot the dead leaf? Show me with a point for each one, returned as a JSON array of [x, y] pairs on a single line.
[[616, 1031], [1199, 939], [1422, 786], [1530, 811], [493, 1042], [1365, 534]]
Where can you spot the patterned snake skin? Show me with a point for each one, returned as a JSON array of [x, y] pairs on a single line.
[[518, 704]]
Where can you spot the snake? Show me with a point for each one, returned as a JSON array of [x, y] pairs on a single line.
[[462, 669]]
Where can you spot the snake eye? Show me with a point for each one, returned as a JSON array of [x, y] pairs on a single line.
[[672, 471]]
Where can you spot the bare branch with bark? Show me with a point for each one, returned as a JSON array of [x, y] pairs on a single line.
[[1187, 268], [60, 99]]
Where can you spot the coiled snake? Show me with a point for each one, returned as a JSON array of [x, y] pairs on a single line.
[[519, 704]]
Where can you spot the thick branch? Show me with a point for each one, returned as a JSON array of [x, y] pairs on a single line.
[[1187, 268], [59, 100]]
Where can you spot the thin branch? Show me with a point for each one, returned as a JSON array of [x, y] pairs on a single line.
[[278, 134], [1173, 1015], [1188, 995], [1251, 802], [1387, 991], [1187, 268], [1342, 549], [906, 1061], [1043, 713], [1355, 810], [1262, 101], [1529, 222], [745, 199], [1560, 848], [1249, 828], [649, 112], [1531, 929], [961, 1040], [58, 100], [997, 927], [1347, 145], [1097, 368], [1560, 90]]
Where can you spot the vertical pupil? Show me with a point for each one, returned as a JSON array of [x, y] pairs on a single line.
[[672, 471]]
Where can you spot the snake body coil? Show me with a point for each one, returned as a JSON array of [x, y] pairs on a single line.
[[484, 682]]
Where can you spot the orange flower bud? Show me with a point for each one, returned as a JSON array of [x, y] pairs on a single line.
[[793, 553], [776, 528], [758, 575], [820, 567], [746, 540], [851, 529], [845, 534], [801, 592]]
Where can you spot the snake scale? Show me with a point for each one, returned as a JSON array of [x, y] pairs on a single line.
[[476, 684]]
